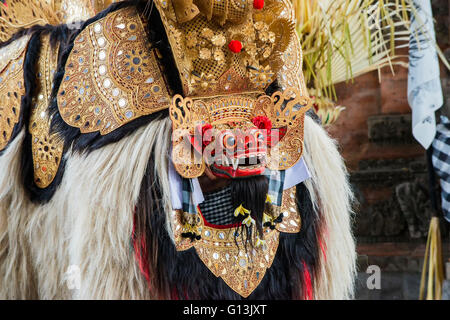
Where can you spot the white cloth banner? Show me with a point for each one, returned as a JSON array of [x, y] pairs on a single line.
[[424, 84]]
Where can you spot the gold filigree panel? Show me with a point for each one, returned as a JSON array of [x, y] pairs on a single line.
[[20, 14], [242, 270], [286, 109], [291, 218], [79, 10], [111, 76], [12, 87], [47, 148]]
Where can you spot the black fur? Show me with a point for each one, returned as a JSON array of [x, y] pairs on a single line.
[[20, 33], [182, 275], [251, 193]]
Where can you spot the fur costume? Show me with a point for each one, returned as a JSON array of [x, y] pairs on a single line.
[[89, 152]]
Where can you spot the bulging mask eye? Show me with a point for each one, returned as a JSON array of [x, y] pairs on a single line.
[[259, 136], [229, 141]]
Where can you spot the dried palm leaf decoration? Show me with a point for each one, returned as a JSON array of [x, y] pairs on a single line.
[[343, 39]]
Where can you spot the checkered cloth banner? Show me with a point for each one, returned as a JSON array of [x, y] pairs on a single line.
[[441, 162]]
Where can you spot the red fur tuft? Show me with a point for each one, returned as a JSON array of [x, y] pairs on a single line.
[[140, 252], [307, 288], [262, 122]]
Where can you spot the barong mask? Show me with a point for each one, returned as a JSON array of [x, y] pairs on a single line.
[[98, 93], [241, 114], [237, 136]]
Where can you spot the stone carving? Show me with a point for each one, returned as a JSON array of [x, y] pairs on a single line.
[[414, 201], [405, 214], [445, 110], [390, 129], [388, 172], [382, 219]]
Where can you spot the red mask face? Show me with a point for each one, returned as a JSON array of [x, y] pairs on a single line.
[[238, 153], [236, 150]]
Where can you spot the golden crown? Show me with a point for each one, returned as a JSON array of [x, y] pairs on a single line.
[[224, 47]]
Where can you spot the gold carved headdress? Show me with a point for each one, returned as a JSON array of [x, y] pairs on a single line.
[[227, 53], [233, 46]]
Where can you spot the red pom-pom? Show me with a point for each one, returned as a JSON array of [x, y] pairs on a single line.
[[262, 122], [235, 46], [258, 4]]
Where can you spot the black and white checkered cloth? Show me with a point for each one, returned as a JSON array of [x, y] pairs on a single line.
[[217, 207], [188, 204], [276, 187], [441, 162]]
